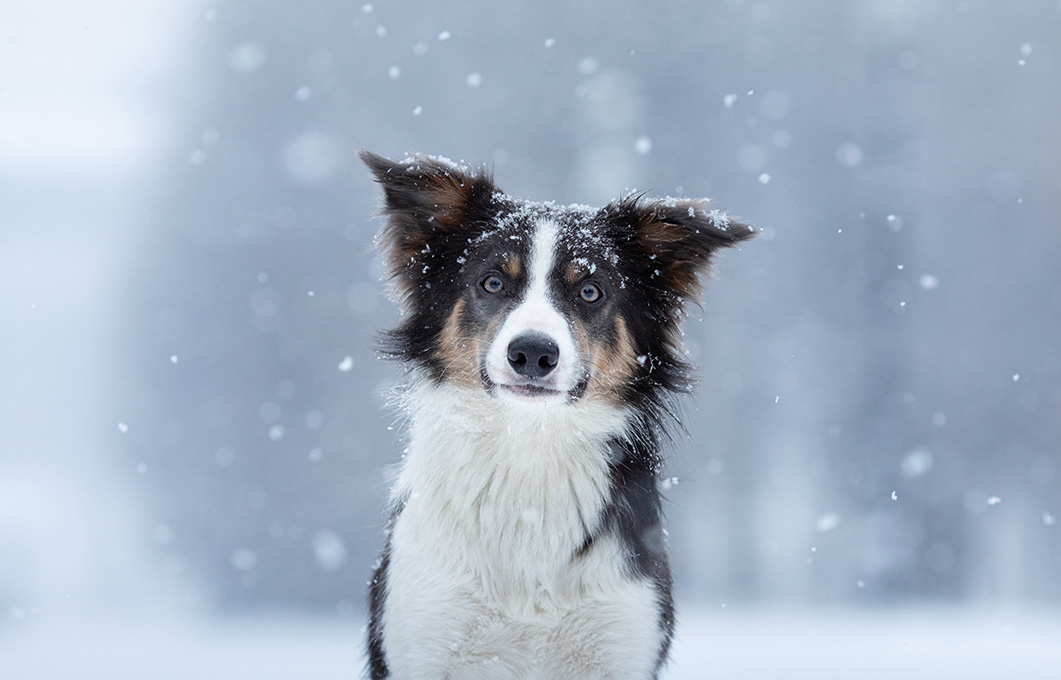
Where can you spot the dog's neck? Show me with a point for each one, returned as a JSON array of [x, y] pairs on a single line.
[[512, 489]]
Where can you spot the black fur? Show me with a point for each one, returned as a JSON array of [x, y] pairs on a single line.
[[634, 513], [377, 594]]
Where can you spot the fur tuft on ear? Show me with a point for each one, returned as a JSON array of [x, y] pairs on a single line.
[[680, 235], [425, 199]]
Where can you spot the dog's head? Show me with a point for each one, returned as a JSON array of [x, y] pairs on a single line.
[[539, 303]]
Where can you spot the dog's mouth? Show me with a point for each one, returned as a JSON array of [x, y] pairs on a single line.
[[531, 391], [521, 391]]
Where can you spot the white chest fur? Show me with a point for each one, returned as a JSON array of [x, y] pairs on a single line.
[[483, 578]]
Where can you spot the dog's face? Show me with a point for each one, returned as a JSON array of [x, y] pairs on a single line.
[[538, 322], [537, 303]]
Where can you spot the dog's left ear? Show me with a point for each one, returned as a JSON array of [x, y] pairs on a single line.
[[425, 199], [680, 236]]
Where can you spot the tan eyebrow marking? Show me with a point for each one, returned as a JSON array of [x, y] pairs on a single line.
[[512, 265]]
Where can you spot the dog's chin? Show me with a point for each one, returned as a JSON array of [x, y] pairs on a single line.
[[530, 394]]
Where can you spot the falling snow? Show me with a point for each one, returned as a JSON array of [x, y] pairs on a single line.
[[916, 351], [827, 522], [243, 559]]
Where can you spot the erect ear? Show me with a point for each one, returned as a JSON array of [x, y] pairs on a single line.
[[425, 199], [680, 236]]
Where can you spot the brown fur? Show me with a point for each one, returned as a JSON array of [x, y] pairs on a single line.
[[573, 273], [425, 199], [613, 365], [459, 350], [512, 265], [679, 272]]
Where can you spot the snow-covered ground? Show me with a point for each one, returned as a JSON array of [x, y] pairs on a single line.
[[840, 645], [728, 644]]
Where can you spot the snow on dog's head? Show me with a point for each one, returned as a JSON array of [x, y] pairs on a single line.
[[539, 303]]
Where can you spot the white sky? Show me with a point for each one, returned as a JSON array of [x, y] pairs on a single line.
[[81, 116], [76, 80]]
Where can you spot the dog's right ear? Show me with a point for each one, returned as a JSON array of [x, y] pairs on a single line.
[[427, 200]]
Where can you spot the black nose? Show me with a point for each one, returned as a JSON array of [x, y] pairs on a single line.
[[533, 354]]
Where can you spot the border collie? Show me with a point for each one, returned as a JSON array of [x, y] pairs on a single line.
[[543, 347]]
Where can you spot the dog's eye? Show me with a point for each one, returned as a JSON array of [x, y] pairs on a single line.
[[492, 284], [590, 292]]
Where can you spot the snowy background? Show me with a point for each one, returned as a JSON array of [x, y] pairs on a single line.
[[193, 449]]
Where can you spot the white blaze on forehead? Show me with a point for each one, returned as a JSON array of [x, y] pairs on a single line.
[[543, 250], [537, 313]]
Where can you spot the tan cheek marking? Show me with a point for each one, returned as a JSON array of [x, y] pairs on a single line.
[[613, 366], [459, 352]]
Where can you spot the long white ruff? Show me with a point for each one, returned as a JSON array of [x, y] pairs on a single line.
[[484, 580]]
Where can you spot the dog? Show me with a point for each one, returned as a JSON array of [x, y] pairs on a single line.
[[543, 349]]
